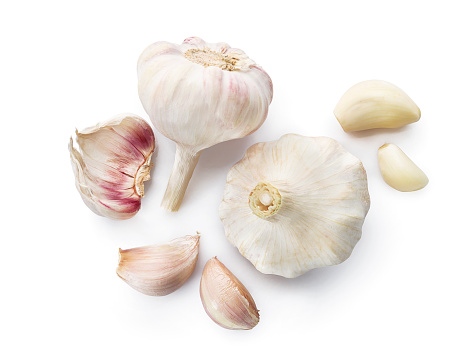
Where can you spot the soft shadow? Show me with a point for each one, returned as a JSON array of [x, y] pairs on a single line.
[[378, 131], [216, 161]]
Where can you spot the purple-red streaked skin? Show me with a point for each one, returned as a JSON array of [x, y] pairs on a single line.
[[106, 167], [159, 270], [225, 299]]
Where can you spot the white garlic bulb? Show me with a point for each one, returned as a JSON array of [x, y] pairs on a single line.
[[399, 171], [113, 161], [199, 94], [295, 204], [159, 270], [225, 299], [375, 104]]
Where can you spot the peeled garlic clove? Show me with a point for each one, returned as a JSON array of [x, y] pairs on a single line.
[[159, 270], [112, 163], [375, 104], [398, 170], [199, 94], [225, 299], [295, 204]]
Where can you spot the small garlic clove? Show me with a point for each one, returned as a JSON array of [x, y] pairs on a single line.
[[399, 171], [225, 299], [375, 104], [159, 270], [112, 163]]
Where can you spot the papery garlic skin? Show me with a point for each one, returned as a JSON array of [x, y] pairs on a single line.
[[225, 299], [399, 171], [199, 94], [295, 204], [112, 163], [375, 104], [159, 270]]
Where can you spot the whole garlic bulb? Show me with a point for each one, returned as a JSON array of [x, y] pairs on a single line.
[[112, 163], [199, 94], [295, 204]]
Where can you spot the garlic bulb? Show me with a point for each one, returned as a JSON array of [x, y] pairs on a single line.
[[398, 170], [113, 161], [375, 104], [226, 301], [159, 270], [295, 204], [199, 94]]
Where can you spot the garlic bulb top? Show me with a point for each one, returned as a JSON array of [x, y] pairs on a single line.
[[199, 94], [113, 161], [295, 204]]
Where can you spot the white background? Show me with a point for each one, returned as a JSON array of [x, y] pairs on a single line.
[[405, 294]]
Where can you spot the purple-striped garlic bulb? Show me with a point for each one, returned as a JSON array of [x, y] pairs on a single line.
[[199, 94], [112, 163]]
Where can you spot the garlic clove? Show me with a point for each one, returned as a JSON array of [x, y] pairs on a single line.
[[399, 171], [226, 301], [375, 104], [112, 163], [159, 270], [199, 94], [295, 204]]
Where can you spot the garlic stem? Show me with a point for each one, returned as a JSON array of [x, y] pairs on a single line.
[[265, 198], [185, 163]]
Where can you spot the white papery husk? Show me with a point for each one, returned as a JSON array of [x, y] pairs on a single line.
[[324, 201]]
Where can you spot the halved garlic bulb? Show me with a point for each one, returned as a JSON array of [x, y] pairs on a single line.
[[399, 171], [160, 269], [375, 104], [112, 163], [199, 94], [295, 204], [226, 301]]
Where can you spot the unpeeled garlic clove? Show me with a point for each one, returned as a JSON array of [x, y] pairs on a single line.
[[112, 163], [375, 104], [225, 299], [398, 170], [159, 270]]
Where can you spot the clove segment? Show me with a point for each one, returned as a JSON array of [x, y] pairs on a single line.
[[159, 270], [399, 171], [111, 164], [375, 104], [226, 301]]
